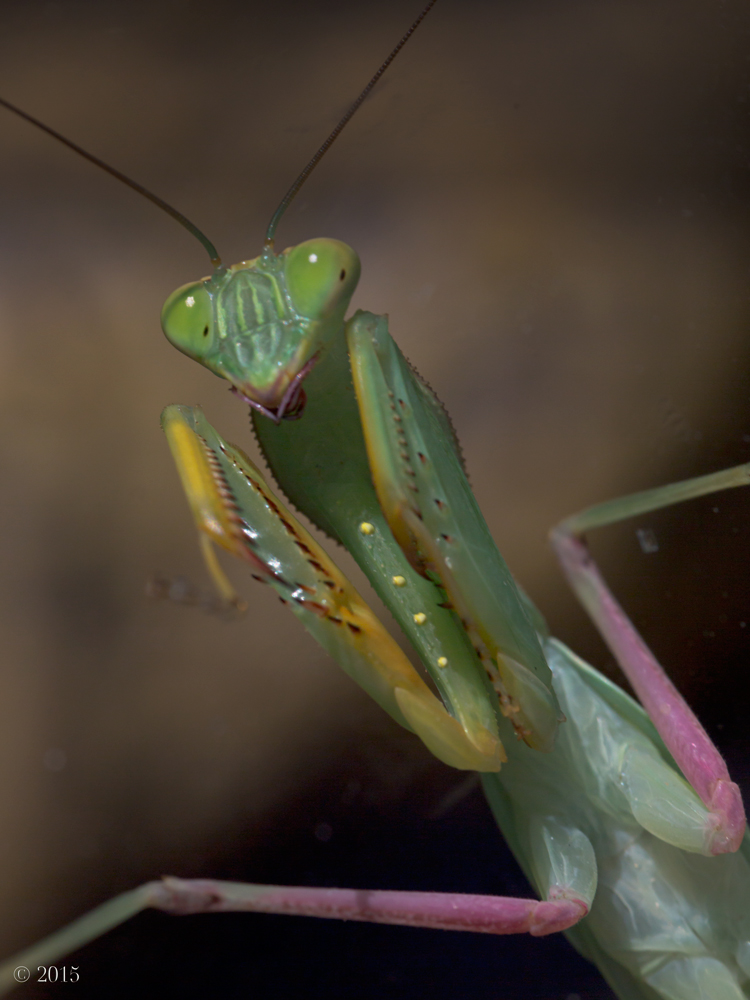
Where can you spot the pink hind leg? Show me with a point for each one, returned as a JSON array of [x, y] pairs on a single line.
[[438, 910], [684, 736]]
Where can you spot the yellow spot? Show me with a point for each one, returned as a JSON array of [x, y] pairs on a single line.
[[442, 661], [420, 618], [399, 581], [366, 528]]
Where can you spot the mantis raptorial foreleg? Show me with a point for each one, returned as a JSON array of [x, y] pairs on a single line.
[[234, 508], [417, 471]]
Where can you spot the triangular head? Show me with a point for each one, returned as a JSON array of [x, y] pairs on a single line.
[[263, 323]]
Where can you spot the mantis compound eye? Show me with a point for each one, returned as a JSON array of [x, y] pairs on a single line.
[[187, 320], [320, 275]]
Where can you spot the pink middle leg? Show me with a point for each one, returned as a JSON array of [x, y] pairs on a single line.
[[684, 736]]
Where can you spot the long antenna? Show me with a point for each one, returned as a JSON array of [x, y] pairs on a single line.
[[288, 197], [178, 216]]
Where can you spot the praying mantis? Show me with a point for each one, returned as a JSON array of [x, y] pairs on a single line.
[[563, 509]]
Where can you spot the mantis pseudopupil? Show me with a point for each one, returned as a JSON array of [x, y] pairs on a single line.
[[509, 274]]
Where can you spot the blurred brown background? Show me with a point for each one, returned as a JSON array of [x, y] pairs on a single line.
[[550, 199]]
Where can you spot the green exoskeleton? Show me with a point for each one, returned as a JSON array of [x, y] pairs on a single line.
[[628, 827]]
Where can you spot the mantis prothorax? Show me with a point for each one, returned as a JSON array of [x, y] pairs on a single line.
[[386, 493]]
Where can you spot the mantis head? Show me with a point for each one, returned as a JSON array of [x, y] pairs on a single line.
[[262, 324]]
